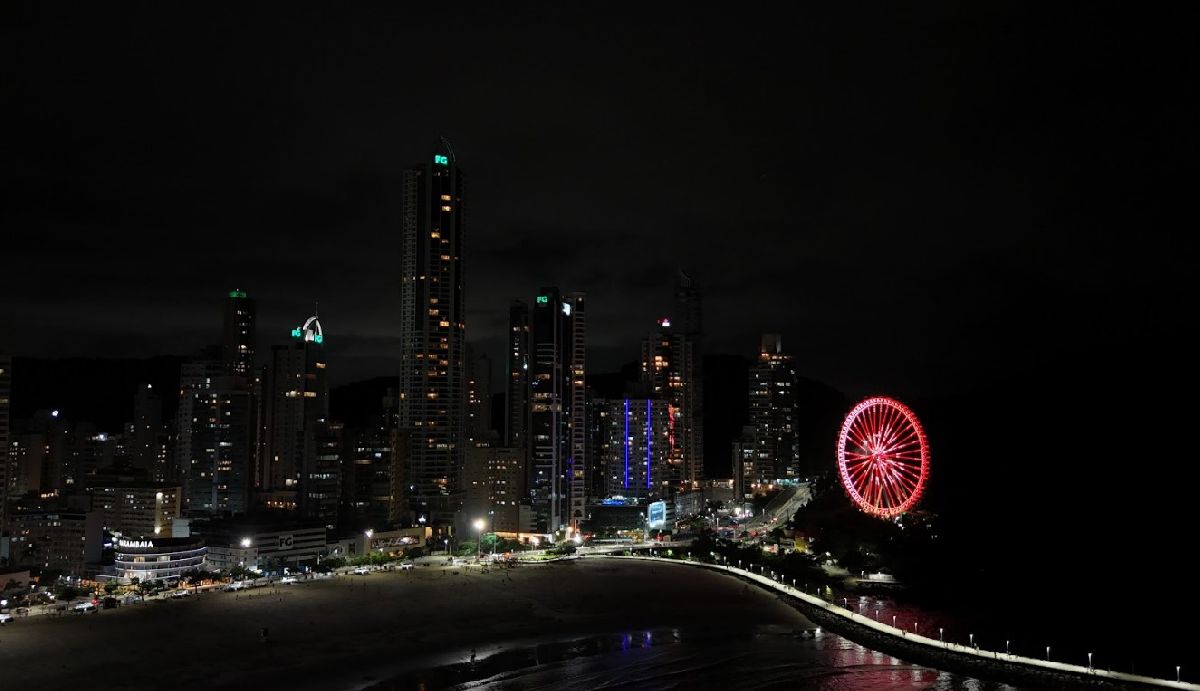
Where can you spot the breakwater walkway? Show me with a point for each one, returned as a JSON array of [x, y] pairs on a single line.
[[952, 657]]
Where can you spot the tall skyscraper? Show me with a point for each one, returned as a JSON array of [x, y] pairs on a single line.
[[671, 371], [303, 471], [517, 399], [776, 454], [147, 436], [557, 412], [213, 447], [479, 398], [433, 335], [369, 484], [237, 340], [689, 330], [7, 464]]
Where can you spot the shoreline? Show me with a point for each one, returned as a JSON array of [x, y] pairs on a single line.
[[357, 631]]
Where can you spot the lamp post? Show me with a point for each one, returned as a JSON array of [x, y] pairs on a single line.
[[1089, 662], [478, 535], [893, 621], [446, 541], [940, 638], [972, 639], [1047, 653], [1006, 650]]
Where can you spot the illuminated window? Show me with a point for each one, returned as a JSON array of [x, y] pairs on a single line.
[[445, 197], [445, 207]]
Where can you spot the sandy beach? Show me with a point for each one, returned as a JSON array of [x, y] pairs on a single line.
[[352, 631]]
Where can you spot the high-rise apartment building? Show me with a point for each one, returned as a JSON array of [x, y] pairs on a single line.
[[558, 426], [671, 370], [689, 331], [213, 441], [433, 335], [137, 509], [633, 445], [237, 341], [517, 397], [147, 438], [493, 482], [369, 486], [7, 466], [479, 398], [303, 468], [776, 454]]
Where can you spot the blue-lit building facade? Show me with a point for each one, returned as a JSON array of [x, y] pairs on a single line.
[[633, 443]]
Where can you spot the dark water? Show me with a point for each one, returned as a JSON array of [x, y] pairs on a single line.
[[711, 658]]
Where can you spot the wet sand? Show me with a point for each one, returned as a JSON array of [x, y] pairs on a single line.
[[352, 631]]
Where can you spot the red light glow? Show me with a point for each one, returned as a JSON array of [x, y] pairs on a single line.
[[883, 457]]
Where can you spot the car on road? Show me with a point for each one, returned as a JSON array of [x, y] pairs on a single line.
[[361, 571], [181, 593], [236, 586], [5, 618], [287, 580], [85, 607], [406, 566]]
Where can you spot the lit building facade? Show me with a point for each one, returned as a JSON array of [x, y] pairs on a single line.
[[158, 558], [237, 342], [67, 540], [633, 443], [433, 336], [213, 448], [776, 454], [558, 426], [494, 482], [138, 509], [303, 453], [517, 396], [671, 370]]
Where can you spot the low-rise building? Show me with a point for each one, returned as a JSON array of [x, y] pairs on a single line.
[[265, 547], [158, 558]]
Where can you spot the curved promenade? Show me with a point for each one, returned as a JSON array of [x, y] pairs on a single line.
[[1012, 669]]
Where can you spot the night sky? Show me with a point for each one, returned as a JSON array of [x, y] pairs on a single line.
[[924, 202]]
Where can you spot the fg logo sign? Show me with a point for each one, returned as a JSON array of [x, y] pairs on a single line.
[[285, 542]]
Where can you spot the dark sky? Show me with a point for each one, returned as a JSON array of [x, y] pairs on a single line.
[[921, 200]]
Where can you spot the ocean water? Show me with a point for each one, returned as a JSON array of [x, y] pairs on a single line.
[[764, 657]]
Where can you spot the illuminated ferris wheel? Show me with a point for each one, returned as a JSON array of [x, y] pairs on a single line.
[[883, 457]]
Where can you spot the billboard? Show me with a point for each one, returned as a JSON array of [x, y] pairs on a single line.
[[656, 515]]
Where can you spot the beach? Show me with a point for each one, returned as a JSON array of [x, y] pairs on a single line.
[[354, 630]]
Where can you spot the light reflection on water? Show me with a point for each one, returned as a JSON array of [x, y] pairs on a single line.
[[760, 658]]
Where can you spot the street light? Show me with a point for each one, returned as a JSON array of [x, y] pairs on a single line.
[[447, 543], [1047, 653], [893, 621], [972, 637], [478, 535], [1089, 662], [1006, 650], [940, 635]]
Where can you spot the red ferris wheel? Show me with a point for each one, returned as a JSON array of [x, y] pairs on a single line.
[[883, 457]]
